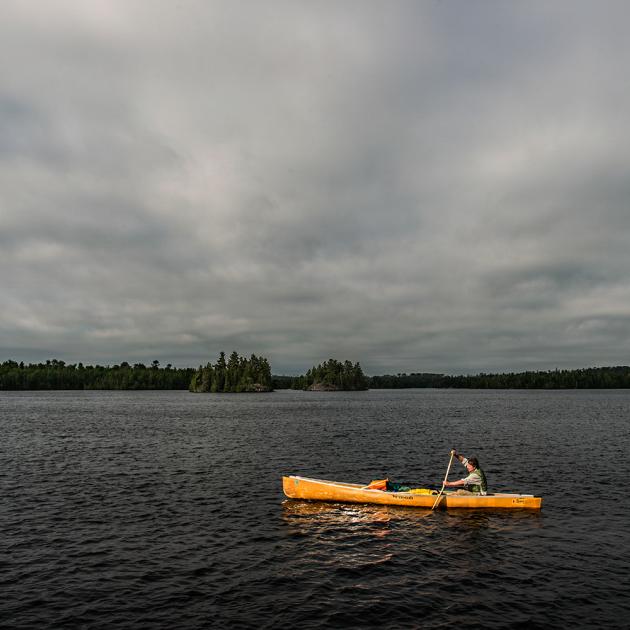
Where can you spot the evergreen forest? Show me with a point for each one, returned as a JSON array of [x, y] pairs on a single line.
[[586, 378], [332, 375], [404, 381], [54, 374], [238, 374]]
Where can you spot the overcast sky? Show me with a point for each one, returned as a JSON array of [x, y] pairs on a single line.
[[429, 185]]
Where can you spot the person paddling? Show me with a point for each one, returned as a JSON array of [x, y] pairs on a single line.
[[475, 482]]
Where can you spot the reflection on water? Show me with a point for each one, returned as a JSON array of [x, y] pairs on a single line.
[[342, 536], [355, 512], [366, 547], [353, 534], [318, 513]]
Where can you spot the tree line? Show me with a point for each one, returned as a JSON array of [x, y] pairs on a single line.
[[404, 381], [586, 378], [617, 377], [237, 374], [55, 374]]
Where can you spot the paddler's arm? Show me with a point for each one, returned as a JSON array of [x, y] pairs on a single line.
[[459, 482]]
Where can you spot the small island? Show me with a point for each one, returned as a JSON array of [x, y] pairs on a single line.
[[236, 375], [332, 376]]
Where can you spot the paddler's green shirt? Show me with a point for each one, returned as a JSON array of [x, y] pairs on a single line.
[[476, 480]]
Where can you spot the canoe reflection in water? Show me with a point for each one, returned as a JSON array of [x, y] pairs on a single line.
[[367, 542], [336, 514], [347, 512], [349, 540]]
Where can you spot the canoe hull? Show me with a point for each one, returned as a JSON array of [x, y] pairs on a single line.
[[321, 490]]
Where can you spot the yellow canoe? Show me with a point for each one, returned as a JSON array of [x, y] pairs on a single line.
[[320, 490]]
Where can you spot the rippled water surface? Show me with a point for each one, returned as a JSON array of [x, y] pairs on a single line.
[[165, 510]]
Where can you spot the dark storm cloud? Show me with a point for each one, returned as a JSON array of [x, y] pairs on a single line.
[[417, 186]]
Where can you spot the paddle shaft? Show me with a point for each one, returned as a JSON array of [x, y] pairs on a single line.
[[450, 461]]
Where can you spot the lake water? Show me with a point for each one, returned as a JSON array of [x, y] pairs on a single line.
[[165, 510]]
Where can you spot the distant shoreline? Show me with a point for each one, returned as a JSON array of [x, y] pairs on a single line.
[[57, 375]]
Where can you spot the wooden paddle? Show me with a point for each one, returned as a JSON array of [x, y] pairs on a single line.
[[450, 461]]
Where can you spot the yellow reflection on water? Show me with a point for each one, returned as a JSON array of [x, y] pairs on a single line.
[[356, 513], [349, 513], [360, 537]]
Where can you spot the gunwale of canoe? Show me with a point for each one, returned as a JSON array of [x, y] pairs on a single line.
[[296, 487]]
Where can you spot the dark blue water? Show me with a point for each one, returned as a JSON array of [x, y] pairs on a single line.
[[165, 510]]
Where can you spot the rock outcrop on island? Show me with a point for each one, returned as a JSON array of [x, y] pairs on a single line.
[[323, 387]]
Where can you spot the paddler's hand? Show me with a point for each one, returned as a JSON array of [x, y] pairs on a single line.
[[453, 453]]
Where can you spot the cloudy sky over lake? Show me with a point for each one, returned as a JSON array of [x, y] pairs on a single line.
[[419, 186]]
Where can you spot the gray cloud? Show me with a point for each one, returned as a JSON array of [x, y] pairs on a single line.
[[417, 186]]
